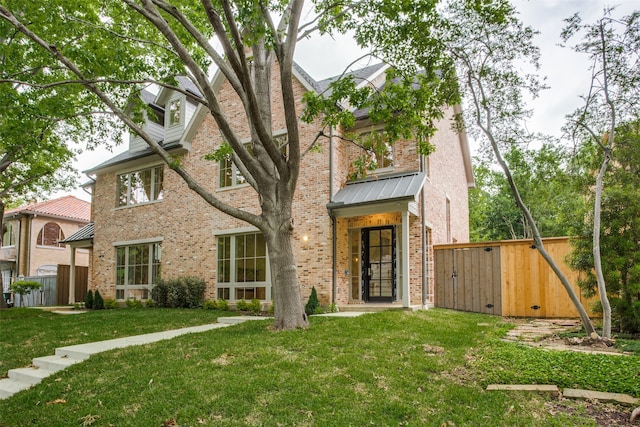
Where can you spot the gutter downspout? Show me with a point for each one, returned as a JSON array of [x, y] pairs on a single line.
[[423, 236], [334, 242]]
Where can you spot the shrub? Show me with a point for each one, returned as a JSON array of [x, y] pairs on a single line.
[[183, 292], [98, 302], [150, 303], [271, 308], [110, 303], [159, 293], [313, 303], [133, 303], [210, 305], [223, 305], [255, 307], [88, 299], [195, 291], [242, 305]]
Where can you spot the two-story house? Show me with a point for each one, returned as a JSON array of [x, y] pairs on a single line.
[[358, 242], [33, 234]]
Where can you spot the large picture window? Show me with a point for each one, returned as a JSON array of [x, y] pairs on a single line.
[[50, 235], [141, 186], [137, 268], [231, 176], [242, 267]]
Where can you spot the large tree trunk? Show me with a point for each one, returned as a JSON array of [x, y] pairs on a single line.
[[288, 308]]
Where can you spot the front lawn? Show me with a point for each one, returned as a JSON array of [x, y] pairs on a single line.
[[392, 368], [26, 333]]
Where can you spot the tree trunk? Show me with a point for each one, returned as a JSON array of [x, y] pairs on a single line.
[[597, 260], [288, 308]]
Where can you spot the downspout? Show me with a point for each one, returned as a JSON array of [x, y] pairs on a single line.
[[423, 235], [334, 243]]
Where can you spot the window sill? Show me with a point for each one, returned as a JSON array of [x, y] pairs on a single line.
[[55, 248], [232, 187], [134, 205]]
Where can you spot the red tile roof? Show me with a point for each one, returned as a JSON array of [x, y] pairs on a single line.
[[64, 207]]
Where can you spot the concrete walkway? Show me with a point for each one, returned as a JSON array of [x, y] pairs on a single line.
[[42, 367]]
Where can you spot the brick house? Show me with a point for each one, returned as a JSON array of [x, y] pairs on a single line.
[[366, 241], [32, 243]]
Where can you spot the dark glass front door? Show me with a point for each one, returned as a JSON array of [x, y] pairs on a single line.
[[379, 264]]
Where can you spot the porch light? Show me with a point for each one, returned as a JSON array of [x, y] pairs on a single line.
[[305, 238]]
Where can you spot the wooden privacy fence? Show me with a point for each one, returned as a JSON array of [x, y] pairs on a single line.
[[81, 282], [508, 278]]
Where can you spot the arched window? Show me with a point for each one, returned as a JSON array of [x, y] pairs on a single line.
[[50, 235], [8, 236]]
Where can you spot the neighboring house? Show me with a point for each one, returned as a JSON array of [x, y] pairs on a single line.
[[33, 234], [357, 242]]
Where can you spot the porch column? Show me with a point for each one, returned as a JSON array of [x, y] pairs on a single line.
[[406, 297], [72, 277]]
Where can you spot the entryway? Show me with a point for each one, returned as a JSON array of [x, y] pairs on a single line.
[[379, 264]]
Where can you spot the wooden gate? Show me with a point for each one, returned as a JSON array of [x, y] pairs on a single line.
[[81, 282], [468, 279], [510, 275]]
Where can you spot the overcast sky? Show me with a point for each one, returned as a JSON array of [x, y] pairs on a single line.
[[567, 73]]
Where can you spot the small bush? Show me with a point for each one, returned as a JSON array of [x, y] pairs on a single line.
[[313, 304], [242, 305], [133, 303], [210, 305], [24, 287], [255, 307], [98, 302], [110, 303], [223, 305], [183, 292], [88, 300], [159, 293], [150, 303], [272, 308]]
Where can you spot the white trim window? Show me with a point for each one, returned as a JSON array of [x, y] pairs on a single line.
[[137, 269], [380, 151], [243, 268], [142, 186], [9, 236], [230, 175]]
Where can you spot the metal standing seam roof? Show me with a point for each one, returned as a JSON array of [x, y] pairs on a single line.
[[380, 189], [85, 233]]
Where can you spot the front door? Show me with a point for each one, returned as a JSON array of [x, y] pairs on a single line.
[[379, 264]]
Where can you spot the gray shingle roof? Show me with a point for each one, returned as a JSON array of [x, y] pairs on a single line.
[[404, 186], [85, 233]]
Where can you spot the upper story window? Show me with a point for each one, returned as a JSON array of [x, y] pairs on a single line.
[[174, 112], [141, 186], [379, 152], [8, 237], [50, 235], [231, 176]]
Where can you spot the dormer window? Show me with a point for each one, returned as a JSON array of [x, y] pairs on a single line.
[[174, 112]]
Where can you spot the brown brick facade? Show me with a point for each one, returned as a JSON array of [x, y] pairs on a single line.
[[187, 228]]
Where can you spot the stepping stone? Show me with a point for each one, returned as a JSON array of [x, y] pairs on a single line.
[[574, 393]]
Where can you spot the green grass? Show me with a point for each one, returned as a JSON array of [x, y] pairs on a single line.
[[377, 369], [26, 333]]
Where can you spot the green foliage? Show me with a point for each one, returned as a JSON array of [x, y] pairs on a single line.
[[547, 184], [313, 304], [242, 305], [88, 299], [98, 301], [223, 305], [619, 243], [133, 303], [110, 303], [255, 307], [182, 292], [210, 305], [24, 287]]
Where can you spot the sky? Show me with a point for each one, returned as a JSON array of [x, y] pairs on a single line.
[[567, 72]]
